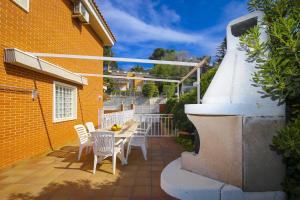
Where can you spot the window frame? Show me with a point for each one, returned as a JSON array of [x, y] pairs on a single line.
[[74, 89], [26, 7]]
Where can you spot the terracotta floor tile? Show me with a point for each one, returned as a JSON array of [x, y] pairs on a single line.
[[141, 192], [126, 181], [143, 174], [143, 181], [59, 175], [155, 181], [122, 191]]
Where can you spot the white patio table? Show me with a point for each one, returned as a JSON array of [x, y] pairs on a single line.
[[128, 129]]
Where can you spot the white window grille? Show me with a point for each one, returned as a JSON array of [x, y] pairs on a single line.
[[64, 101], [24, 4]]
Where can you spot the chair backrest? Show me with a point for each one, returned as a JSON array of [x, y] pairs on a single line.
[[144, 130], [104, 143], [82, 133], [147, 130], [90, 126]]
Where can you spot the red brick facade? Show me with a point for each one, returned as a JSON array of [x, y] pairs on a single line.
[[26, 127]]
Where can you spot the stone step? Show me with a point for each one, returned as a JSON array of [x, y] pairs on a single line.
[[186, 185]]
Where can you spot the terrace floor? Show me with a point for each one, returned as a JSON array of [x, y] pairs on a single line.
[[59, 175]]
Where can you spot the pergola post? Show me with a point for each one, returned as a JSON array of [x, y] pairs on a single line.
[[198, 85], [178, 91]]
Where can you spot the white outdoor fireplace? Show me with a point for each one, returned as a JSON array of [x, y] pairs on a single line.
[[235, 125]]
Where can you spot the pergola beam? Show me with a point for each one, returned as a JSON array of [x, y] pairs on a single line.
[[117, 59], [129, 78], [200, 64]]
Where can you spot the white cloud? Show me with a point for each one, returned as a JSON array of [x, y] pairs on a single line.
[[130, 29], [142, 24]]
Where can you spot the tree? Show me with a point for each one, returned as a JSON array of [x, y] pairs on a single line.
[[221, 51], [169, 90], [137, 68], [159, 53], [150, 90], [206, 78], [278, 74], [110, 64]]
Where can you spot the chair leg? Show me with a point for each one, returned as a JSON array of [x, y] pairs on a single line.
[[114, 163], [79, 152], [95, 164], [146, 142], [128, 152], [144, 150], [121, 156]]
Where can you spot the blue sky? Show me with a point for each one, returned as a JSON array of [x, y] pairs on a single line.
[[195, 26]]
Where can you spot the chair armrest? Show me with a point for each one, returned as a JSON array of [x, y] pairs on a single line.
[[119, 142]]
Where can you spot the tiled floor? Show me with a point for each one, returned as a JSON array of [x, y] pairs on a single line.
[[59, 175]]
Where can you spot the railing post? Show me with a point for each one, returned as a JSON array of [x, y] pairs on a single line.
[[132, 106], [122, 106]]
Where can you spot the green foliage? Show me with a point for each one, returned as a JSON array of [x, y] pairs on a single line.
[[159, 53], [112, 64], [278, 74], [206, 79], [186, 142], [177, 107], [221, 51], [278, 58], [137, 69], [169, 90], [171, 102], [150, 90], [111, 84], [287, 143], [170, 71]]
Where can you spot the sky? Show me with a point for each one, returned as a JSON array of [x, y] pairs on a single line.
[[194, 26]]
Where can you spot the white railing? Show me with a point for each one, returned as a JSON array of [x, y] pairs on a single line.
[[147, 109], [161, 125], [111, 107], [109, 119]]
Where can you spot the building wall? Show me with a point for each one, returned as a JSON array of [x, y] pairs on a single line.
[[27, 128]]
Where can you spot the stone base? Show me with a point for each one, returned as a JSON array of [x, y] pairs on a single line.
[[236, 150], [186, 185]]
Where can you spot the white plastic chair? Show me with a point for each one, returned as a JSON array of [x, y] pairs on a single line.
[[84, 139], [139, 139], [105, 146], [90, 126]]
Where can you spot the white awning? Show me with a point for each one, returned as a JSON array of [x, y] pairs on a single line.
[[28, 61]]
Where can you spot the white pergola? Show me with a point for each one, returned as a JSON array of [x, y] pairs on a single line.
[[197, 67]]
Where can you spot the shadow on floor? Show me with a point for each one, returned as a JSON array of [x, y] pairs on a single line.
[[60, 176]]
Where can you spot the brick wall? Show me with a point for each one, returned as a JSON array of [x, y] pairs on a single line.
[[26, 126]]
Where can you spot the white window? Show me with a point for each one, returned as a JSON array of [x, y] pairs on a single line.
[[64, 102], [23, 4]]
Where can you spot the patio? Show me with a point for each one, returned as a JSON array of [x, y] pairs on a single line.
[[58, 175]]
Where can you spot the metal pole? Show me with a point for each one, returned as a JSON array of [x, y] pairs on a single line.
[[198, 85], [178, 91]]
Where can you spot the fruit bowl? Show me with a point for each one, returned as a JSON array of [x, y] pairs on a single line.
[[116, 127]]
